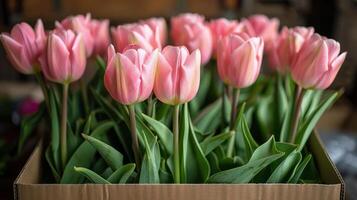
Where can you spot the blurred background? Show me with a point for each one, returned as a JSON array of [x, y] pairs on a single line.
[[19, 94]]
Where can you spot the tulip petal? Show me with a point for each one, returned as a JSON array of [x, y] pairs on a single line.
[[328, 77], [16, 54], [58, 58], [78, 58], [333, 49], [164, 84], [190, 76]]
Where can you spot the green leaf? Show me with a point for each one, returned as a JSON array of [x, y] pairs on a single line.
[[198, 170], [161, 111], [282, 173], [73, 140], [262, 157], [165, 135], [122, 174], [309, 124], [28, 124], [300, 169], [267, 149], [264, 116], [285, 129], [214, 162], [245, 173], [209, 118], [55, 132], [212, 142], [49, 159], [111, 156], [194, 166], [149, 172], [92, 176], [250, 145], [281, 99], [84, 154]]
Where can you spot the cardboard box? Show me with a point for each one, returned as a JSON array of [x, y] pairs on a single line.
[[28, 186]]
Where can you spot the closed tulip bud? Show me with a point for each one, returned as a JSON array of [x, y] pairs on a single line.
[[129, 77], [317, 63], [189, 30], [137, 34], [100, 33], [178, 75], [79, 24], [261, 26], [179, 21], [287, 47], [239, 59], [158, 25], [220, 28], [24, 46], [64, 60]]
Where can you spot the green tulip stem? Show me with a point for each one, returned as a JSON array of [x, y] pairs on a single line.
[[43, 86], [234, 111], [134, 137], [84, 94], [150, 106], [299, 96], [176, 143], [64, 125]]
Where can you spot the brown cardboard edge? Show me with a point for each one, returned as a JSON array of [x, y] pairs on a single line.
[[315, 146], [36, 153], [315, 138]]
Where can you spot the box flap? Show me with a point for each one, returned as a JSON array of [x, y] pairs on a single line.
[[328, 170]]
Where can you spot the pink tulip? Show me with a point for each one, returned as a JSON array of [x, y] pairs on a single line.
[[179, 21], [79, 24], [129, 77], [189, 30], [65, 58], [220, 28], [239, 59], [178, 75], [261, 26], [24, 46], [317, 63], [138, 34], [287, 47], [100, 33], [158, 26]]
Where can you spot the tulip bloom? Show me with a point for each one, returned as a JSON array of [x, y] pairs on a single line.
[[135, 34], [317, 63], [177, 81], [179, 21], [239, 58], [261, 26], [24, 46], [100, 32], [189, 30], [178, 75], [129, 77], [220, 28], [287, 47], [79, 24], [158, 26], [65, 59]]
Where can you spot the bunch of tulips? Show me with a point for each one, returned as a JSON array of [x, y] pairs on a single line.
[[196, 112]]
